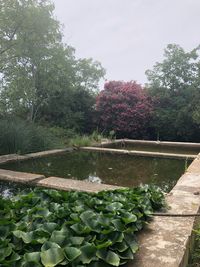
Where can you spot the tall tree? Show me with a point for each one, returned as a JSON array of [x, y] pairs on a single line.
[[125, 108], [35, 66], [174, 85]]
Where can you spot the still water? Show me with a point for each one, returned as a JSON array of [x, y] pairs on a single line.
[[123, 170]]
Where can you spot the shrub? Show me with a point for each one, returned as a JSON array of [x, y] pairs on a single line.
[[125, 108], [18, 136]]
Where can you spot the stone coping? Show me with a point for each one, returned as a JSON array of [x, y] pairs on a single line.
[[54, 182], [16, 157], [139, 153], [148, 142], [77, 185], [20, 177]]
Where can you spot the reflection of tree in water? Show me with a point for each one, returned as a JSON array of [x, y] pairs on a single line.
[[131, 171]]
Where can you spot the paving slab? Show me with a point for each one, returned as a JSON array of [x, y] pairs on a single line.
[[16, 157], [48, 153], [194, 166], [11, 158], [77, 185], [22, 177]]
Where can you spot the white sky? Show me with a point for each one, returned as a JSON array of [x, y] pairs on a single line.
[[128, 36]]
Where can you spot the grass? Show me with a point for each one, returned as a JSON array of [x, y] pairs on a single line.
[[18, 136], [85, 140]]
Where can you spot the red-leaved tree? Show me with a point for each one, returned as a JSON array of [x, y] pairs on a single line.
[[125, 108]]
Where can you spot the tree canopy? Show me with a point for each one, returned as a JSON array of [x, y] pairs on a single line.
[[125, 108], [174, 85], [36, 67]]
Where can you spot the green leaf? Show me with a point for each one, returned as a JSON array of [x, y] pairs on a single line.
[[127, 217], [52, 257], [80, 229], [104, 244], [72, 253], [5, 231], [32, 257], [50, 226], [47, 245], [5, 252], [58, 237], [26, 237], [127, 254], [76, 240], [133, 245], [120, 246], [113, 259], [119, 225], [109, 257], [13, 259], [88, 254], [115, 206], [116, 237]]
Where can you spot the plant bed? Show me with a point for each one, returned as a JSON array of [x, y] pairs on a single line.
[[74, 229]]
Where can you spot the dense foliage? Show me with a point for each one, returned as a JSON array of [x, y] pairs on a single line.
[[174, 85], [167, 109], [125, 108], [18, 136], [41, 80], [51, 228]]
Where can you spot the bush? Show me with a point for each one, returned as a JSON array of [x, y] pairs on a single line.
[[125, 108], [18, 136]]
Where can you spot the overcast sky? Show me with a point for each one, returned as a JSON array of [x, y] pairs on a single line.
[[128, 36]]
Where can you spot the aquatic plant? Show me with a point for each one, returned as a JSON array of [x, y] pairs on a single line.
[[75, 229]]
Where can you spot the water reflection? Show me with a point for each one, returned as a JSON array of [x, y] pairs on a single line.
[[113, 169]]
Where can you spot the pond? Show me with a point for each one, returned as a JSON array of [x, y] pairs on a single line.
[[155, 148], [122, 170]]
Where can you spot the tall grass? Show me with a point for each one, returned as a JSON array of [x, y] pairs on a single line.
[[85, 140], [18, 136]]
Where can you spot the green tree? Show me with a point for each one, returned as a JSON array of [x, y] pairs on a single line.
[[29, 37], [174, 85], [36, 67]]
